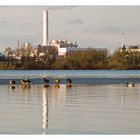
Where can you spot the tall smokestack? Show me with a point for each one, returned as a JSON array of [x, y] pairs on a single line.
[[45, 27], [123, 40], [18, 46]]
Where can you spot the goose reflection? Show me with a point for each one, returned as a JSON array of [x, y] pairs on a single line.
[[45, 108]]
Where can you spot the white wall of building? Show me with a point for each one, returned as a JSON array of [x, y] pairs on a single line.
[[62, 51], [63, 46]]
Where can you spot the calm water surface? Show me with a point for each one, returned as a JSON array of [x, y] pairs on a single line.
[[82, 109], [86, 109], [70, 73], [77, 76]]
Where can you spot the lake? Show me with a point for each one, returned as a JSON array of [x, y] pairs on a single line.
[[98, 103]]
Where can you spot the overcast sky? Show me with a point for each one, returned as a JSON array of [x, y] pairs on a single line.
[[89, 26]]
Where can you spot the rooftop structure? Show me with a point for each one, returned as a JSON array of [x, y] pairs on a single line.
[[63, 46]]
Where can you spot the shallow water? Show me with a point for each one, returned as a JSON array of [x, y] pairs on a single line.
[[18, 74], [96, 77], [81, 109]]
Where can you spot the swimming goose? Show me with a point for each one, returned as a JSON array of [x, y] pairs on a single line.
[[46, 82], [57, 82], [12, 83], [69, 82], [129, 84], [26, 82]]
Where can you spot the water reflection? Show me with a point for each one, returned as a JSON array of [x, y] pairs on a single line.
[[45, 108], [122, 102], [56, 110], [11, 89], [58, 94]]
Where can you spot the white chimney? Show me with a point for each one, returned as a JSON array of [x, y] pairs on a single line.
[[45, 27], [122, 40]]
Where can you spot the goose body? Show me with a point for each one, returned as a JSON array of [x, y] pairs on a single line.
[[57, 82], [46, 82], [69, 82], [12, 83], [25, 82], [130, 85]]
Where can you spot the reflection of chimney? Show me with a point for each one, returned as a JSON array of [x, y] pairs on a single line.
[[122, 102], [45, 108], [45, 27]]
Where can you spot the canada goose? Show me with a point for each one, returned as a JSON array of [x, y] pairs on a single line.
[[12, 83], [129, 84], [25, 82], [46, 82], [57, 82], [69, 82]]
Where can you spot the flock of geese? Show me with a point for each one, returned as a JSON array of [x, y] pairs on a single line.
[[26, 83]]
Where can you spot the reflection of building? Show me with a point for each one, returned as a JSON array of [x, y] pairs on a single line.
[[45, 108], [58, 94]]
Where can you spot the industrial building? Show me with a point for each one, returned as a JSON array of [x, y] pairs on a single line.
[[63, 46], [53, 48]]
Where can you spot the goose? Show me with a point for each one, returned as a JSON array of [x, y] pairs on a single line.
[[57, 82], [129, 84], [69, 82], [46, 82], [26, 82], [12, 83]]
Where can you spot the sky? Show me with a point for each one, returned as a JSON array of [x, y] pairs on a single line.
[[89, 26]]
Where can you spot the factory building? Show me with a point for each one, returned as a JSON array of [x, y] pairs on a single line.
[[131, 49], [63, 46]]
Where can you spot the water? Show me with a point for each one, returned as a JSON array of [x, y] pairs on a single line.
[[77, 76], [85, 108], [5, 74]]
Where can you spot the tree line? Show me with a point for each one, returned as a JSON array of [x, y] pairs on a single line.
[[90, 59]]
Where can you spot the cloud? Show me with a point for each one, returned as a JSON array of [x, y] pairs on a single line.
[[76, 21], [55, 8], [114, 29]]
